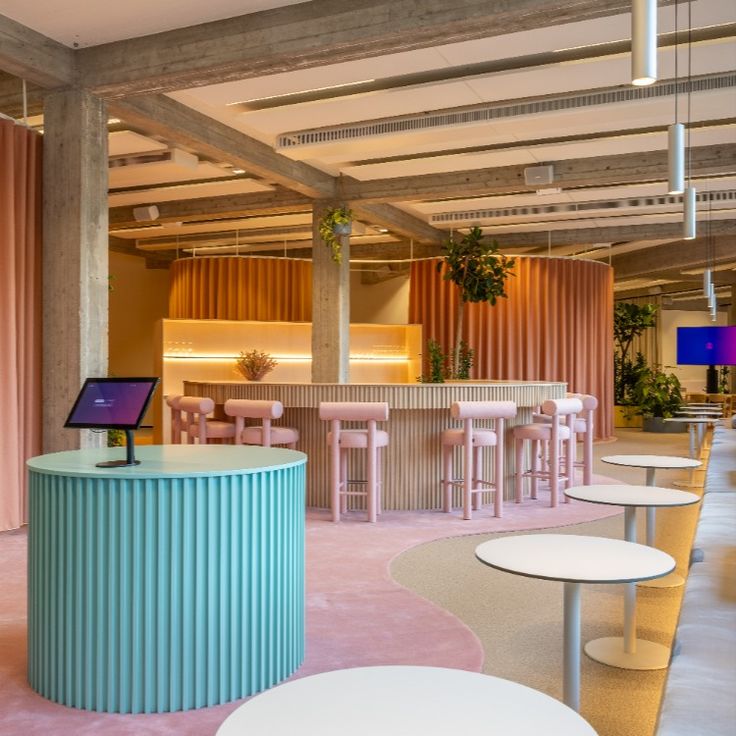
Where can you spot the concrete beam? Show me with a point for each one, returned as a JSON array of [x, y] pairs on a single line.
[[314, 34], [398, 222], [609, 234], [183, 126], [677, 256], [280, 201], [11, 97], [34, 57], [597, 171]]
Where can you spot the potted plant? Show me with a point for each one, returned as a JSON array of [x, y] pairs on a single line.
[[629, 322], [335, 223], [255, 364], [479, 271], [657, 395]]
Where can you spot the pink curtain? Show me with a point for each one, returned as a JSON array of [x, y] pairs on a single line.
[[20, 314], [556, 325]]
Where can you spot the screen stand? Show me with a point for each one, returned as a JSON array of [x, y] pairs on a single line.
[[129, 454], [711, 380]]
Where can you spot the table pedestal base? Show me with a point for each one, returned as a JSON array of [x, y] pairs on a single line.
[[610, 650], [673, 580]]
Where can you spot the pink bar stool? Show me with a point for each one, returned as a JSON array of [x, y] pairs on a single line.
[[340, 441], [198, 426], [584, 427], [472, 439], [173, 403], [263, 434], [552, 433]]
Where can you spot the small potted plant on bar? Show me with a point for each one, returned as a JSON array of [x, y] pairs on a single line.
[[255, 364], [335, 223]]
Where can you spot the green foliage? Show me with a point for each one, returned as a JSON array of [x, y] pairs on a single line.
[[465, 361], [115, 438], [723, 380], [656, 393], [332, 221], [629, 322], [438, 369], [477, 269]]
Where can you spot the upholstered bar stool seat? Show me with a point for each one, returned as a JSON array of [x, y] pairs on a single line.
[[264, 434], [473, 439], [341, 441], [545, 437], [172, 401], [198, 426]]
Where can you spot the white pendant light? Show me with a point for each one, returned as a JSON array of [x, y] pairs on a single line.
[[676, 158], [643, 42], [689, 229], [706, 282], [712, 302]]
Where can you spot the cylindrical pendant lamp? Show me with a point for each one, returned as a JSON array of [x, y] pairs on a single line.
[[712, 301], [689, 229], [676, 158], [643, 42], [706, 282]]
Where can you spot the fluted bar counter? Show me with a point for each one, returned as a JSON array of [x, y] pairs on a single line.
[[171, 585], [418, 414]]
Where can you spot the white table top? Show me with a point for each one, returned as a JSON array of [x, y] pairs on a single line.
[[626, 495], [575, 559], [651, 461], [694, 419], [403, 701]]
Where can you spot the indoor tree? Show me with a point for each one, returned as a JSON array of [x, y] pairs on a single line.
[[479, 271], [629, 322]]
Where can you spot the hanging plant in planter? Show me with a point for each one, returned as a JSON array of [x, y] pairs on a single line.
[[335, 223], [479, 271]]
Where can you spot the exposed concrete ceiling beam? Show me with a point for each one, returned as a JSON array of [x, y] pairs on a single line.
[[313, 34], [180, 125], [399, 222], [34, 57], [675, 256], [597, 171], [281, 201], [608, 234]]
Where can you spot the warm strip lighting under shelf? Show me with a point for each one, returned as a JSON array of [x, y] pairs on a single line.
[[288, 358]]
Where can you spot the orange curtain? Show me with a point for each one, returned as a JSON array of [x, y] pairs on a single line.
[[556, 325], [20, 314], [241, 288]]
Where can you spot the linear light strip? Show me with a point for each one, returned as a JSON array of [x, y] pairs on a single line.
[[284, 358]]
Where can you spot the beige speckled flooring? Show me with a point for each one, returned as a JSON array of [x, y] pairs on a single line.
[[519, 620]]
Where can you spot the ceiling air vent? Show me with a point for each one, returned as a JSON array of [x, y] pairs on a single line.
[[498, 111], [172, 155]]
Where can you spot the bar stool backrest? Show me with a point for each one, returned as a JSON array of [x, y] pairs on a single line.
[[354, 411], [254, 409], [562, 407], [197, 409], [483, 410]]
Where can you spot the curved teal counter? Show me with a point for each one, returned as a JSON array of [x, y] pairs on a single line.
[[171, 585]]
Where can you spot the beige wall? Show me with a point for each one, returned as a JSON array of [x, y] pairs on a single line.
[[139, 297], [385, 303]]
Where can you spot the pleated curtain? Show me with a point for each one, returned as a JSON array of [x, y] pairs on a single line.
[[241, 288], [20, 314], [556, 325]]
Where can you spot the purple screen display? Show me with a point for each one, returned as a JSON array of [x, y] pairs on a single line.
[[706, 345], [111, 403]]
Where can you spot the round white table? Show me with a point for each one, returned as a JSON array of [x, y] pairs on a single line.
[[652, 463], [403, 701], [629, 652], [694, 423], [574, 560]]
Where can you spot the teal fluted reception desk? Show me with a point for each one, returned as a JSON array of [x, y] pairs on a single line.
[[174, 584]]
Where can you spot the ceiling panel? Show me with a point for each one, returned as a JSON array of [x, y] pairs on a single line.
[[160, 172], [123, 142]]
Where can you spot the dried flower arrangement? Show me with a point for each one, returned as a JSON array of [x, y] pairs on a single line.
[[255, 364]]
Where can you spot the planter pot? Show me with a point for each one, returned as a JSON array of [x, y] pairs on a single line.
[[620, 420], [657, 424], [342, 228]]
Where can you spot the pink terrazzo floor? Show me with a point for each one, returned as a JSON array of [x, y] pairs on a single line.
[[356, 614]]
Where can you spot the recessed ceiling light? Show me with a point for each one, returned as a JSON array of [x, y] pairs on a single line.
[[238, 171]]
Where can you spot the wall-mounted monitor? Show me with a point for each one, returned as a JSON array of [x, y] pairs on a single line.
[[113, 403], [706, 345]]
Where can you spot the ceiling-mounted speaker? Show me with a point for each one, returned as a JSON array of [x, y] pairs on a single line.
[[142, 214], [539, 175]]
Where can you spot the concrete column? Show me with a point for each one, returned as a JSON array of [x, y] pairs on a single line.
[[330, 305], [75, 252]]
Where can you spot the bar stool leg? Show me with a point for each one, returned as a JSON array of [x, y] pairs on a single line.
[[518, 477], [343, 480], [335, 478], [498, 477], [379, 480], [371, 482], [554, 471], [588, 452], [535, 467], [467, 481], [477, 474], [446, 487]]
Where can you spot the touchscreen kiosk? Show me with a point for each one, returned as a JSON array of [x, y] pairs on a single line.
[[113, 403]]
